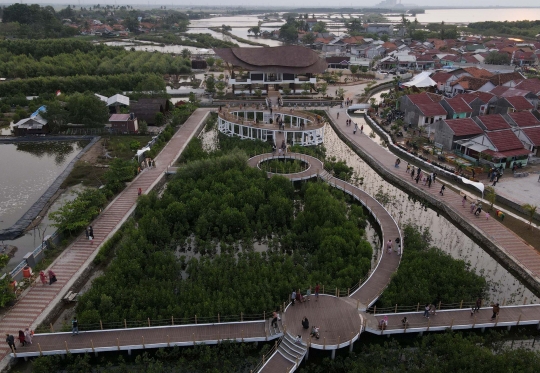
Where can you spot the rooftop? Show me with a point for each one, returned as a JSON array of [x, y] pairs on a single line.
[[519, 103], [524, 119], [458, 105], [533, 134], [493, 122], [463, 126], [504, 140]]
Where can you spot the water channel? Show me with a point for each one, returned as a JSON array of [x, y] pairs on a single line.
[[27, 170]]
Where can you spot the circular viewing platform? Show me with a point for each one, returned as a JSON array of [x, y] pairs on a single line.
[[297, 127]]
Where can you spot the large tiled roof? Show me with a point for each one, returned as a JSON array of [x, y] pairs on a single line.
[[493, 122], [532, 85], [288, 59], [470, 82], [501, 79], [503, 91], [533, 134], [519, 103], [463, 126], [504, 140], [428, 104], [524, 119], [458, 105], [441, 77], [478, 73]]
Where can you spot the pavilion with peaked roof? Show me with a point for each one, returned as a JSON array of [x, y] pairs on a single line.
[[271, 69]]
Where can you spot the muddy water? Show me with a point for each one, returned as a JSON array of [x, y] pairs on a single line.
[[502, 284]]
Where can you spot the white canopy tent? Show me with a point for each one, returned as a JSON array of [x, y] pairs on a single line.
[[421, 80], [477, 185]]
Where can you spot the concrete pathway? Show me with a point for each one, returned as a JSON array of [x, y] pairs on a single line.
[[37, 302]]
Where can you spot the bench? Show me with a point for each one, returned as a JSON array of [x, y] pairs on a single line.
[[70, 297]]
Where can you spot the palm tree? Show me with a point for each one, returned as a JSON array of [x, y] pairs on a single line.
[[530, 210]]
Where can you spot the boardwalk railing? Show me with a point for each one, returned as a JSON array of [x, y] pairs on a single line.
[[172, 321], [267, 356]]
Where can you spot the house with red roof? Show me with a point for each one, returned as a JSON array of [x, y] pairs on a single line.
[[478, 101], [441, 78], [502, 91], [521, 58], [448, 131], [468, 84], [530, 137], [522, 119], [456, 108], [422, 109], [531, 85], [512, 104]]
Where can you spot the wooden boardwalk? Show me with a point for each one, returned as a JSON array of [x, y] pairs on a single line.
[[515, 248], [457, 319], [151, 337], [34, 305]]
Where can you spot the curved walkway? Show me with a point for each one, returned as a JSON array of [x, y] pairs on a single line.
[[506, 244], [36, 303]]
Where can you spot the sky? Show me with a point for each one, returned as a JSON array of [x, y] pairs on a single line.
[[288, 3]]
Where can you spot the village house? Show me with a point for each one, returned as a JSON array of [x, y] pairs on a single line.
[[502, 91], [35, 125], [456, 108], [478, 101], [422, 109], [448, 131], [146, 109], [505, 105], [124, 123]]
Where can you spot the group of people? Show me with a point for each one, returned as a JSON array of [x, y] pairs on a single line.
[[296, 296], [428, 179], [390, 246], [494, 175], [89, 232], [25, 337], [51, 276], [429, 309]]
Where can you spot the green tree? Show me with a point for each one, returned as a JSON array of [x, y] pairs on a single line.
[[210, 61], [530, 210], [7, 294], [87, 109], [323, 88], [319, 27], [210, 83], [56, 116], [220, 86], [490, 195], [255, 30], [159, 119], [77, 214], [497, 58], [143, 127], [131, 23], [185, 53], [308, 38], [289, 32]]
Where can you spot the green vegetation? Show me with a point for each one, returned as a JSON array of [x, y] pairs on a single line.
[[6, 291], [230, 357], [448, 352], [69, 57], [218, 206], [428, 275], [237, 38], [284, 166], [526, 29], [34, 22]]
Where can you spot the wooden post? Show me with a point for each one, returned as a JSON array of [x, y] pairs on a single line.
[[52, 329], [242, 335], [338, 292], [519, 319], [357, 303], [324, 343], [474, 322], [91, 342], [193, 335], [428, 322], [417, 307], [41, 352], [101, 324], [172, 320], [338, 341], [143, 342], [148, 322], [395, 309], [439, 305], [118, 344], [374, 310], [241, 316], [264, 315], [452, 324], [218, 318], [195, 319], [461, 304], [263, 359], [504, 302], [125, 324], [168, 341], [496, 319], [525, 301], [348, 291], [323, 289], [67, 349]]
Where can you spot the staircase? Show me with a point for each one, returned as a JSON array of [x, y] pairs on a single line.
[[292, 351]]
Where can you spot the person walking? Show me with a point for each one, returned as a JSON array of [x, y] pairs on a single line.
[[412, 172], [418, 170], [442, 190], [362, 128], [429, 181], [478, 209], [43, 277], [274, 319], [434, 177], [408, 168], [74, 326], [87, 233], [337, 115], [52, 277], [417, 177], [10, 340], [22, 339], [389, 247], [496, 310], [28, 336], [477, 304], [316, 292], [355, 129], [473, 206], [464, 201], [293, 297]]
